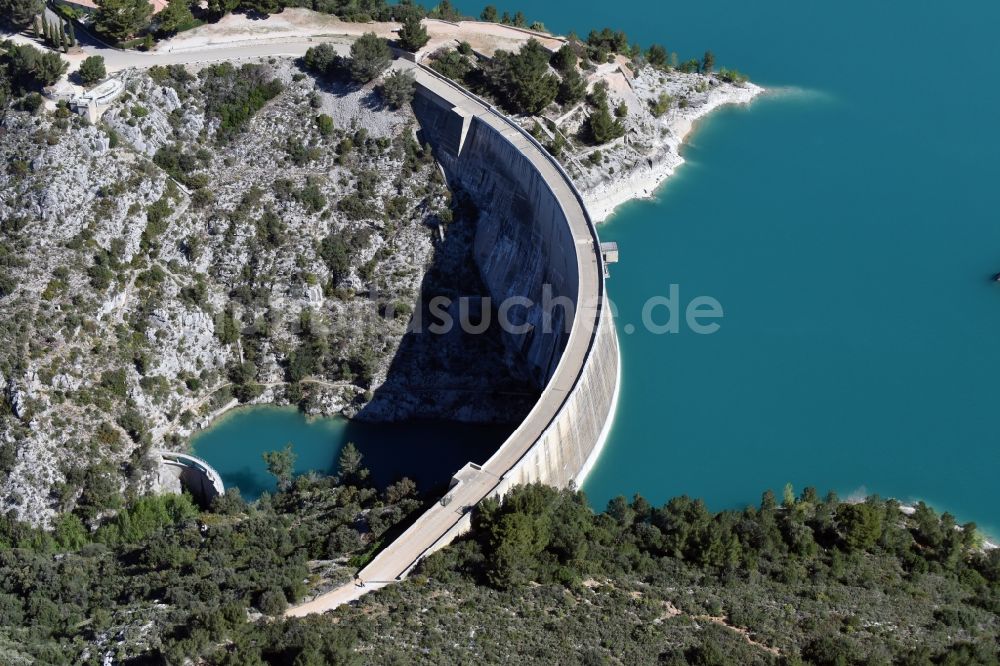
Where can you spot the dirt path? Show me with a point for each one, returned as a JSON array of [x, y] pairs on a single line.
[[296, 24]]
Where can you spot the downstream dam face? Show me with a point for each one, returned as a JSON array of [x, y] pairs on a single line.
[[183, 471], [522, 242], [534, 241]]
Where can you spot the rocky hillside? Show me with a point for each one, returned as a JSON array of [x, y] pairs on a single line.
[[234, 234]]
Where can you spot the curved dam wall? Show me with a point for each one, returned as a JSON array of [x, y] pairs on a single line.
[[193, 474], [523, 241], [533, 235], [534, 240]]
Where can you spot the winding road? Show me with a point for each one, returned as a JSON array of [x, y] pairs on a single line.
[[237, 37]]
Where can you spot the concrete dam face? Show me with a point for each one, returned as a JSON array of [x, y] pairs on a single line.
[[534, 240], [522, 239]]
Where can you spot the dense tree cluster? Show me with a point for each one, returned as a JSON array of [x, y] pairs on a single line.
[[491, 15], [20, 13], [24, 68], [540, 578], [602, 44], [522, 80], [600, 126], [871, 584], [57, 35], [177, 16], [801, 527], [234, 95], [118, 20], [163, 582], [370, 57], [453, 64]]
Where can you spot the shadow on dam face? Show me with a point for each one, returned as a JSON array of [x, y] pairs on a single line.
[[509, 238], [522, 244], [456, 376]]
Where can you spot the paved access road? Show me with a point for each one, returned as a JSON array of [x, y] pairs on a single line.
[[116, 60]]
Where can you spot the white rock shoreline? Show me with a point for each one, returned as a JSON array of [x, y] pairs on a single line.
[[642, 181]]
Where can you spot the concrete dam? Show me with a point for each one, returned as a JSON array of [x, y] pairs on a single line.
[[183, 471], [535, 241]]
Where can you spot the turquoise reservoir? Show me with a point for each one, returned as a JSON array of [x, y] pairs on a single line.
[[427, 452], [848, 225]]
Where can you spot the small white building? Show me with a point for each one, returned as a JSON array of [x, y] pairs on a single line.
[[89, 103]]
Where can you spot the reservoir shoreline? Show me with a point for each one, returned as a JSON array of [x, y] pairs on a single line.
[[643, 180]]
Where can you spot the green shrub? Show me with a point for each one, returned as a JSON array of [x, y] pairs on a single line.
[[732, 76], [324, 124], [397, 89], [92, 70], [234, 96], [370, 57], [661, 105]]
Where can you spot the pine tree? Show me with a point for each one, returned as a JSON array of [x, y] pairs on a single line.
[[370, 57], [413, 35], [46, 35], [71, 32], [36, 28], [63, 44], [20, 13], [175, 17], [708, 63], [349, 466], [602, 127], [281, 465], [572, 88], [121, 19]]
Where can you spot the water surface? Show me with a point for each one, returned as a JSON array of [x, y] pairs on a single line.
[[427, 452], [849, 228]]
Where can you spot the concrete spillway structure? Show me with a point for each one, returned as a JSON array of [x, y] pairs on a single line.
[[193, 474], [534, 241]]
